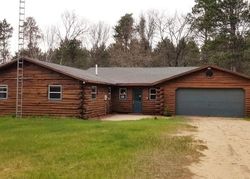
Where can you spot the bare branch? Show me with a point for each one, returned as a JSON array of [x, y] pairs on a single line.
[[99, 34], [72, 27]]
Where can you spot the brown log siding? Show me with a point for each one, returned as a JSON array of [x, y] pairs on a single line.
[[76, 97], [35, 92], [99, 106], [77, 100], [148, 106], [198, 79]]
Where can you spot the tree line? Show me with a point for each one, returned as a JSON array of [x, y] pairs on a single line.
[[215, 32]]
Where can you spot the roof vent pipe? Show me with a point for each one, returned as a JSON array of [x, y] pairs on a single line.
[[96, 69]]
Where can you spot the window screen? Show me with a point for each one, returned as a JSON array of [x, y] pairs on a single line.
[[55, 92], [3, 91]]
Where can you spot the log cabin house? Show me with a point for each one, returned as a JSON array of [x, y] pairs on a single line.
[[55, 90]]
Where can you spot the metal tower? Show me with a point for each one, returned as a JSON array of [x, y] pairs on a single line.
[[19, 81]]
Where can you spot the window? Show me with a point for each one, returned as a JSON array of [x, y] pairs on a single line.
[[109, 90], [152, 94], [123, 93], [55, 92], [109, 93], [93, 92], [3, 92], [209, 72]]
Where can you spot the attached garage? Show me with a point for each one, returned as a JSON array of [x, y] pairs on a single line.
[[210, 102]]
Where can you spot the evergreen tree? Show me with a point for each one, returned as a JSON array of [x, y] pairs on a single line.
[[5, 34], [164, 53], [124, 31], [234, 19], [70, 53], [99, 55], [32, 35], [203, 21]]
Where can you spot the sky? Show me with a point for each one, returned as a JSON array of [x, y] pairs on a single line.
[[48, 12]]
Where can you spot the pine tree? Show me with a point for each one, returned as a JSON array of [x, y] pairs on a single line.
[[32, 35], [124, 30], [203, 21], [233, 22], [5, 34]]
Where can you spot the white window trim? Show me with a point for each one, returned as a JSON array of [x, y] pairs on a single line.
[[150, 94], [61, 90], [109, 90], [120, 89], [7, 90], [94, 92]]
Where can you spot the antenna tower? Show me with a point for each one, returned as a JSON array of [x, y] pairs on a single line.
[[19, 86]]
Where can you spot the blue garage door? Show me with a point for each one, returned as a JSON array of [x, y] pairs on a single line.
[[210, 102]]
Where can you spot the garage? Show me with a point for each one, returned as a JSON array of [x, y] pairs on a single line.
[[210, 102]]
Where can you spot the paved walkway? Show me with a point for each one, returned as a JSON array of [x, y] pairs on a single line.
[[125, 117]]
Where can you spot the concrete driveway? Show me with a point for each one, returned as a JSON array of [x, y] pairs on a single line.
[[228, 153], [125, 117]]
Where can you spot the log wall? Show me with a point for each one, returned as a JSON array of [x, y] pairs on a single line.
[[76, 95], [35, 92], [199, 79], [96, 107], [148, 106]]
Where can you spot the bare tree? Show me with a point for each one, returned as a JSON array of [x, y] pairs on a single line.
[[150, 28], [51, 41], [177, 30], [72, 27], [99, 34]]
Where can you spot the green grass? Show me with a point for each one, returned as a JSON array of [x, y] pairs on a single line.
[[66, 148]]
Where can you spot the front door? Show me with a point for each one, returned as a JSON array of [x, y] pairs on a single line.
[[137, 100]]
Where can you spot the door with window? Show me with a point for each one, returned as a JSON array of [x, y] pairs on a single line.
[[137, 100]]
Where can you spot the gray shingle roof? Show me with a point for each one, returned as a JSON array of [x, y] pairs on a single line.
[[115, 75], [138, 75], [74, 72]]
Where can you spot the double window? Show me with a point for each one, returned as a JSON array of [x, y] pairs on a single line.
[[152, 94], [55, 92], [3, 92], [122, 93], [93, 92]]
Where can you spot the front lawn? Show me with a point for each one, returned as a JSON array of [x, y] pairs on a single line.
[[72, 148]]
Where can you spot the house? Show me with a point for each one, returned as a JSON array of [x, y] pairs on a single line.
[[51, 89]]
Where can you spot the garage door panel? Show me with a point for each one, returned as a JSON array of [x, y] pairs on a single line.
[[210, 102]]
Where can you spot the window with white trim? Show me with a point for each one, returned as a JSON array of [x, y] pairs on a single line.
[[93, 92], [152, 94], [122, 93], [3, 92], [55, 92]]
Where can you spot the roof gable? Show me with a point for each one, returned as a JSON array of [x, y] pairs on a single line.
[[200, 69], [75, 73]]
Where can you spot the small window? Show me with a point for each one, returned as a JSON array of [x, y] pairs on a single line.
[[209, 72], [152, 94], [93, 92], [109, 90], [3, 92], [123, 93], [55, 92], [109, 93]]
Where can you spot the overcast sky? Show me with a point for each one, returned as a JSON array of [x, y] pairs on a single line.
[[48, 12]]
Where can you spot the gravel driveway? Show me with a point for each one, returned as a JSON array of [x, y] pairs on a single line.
[[228, 153]]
